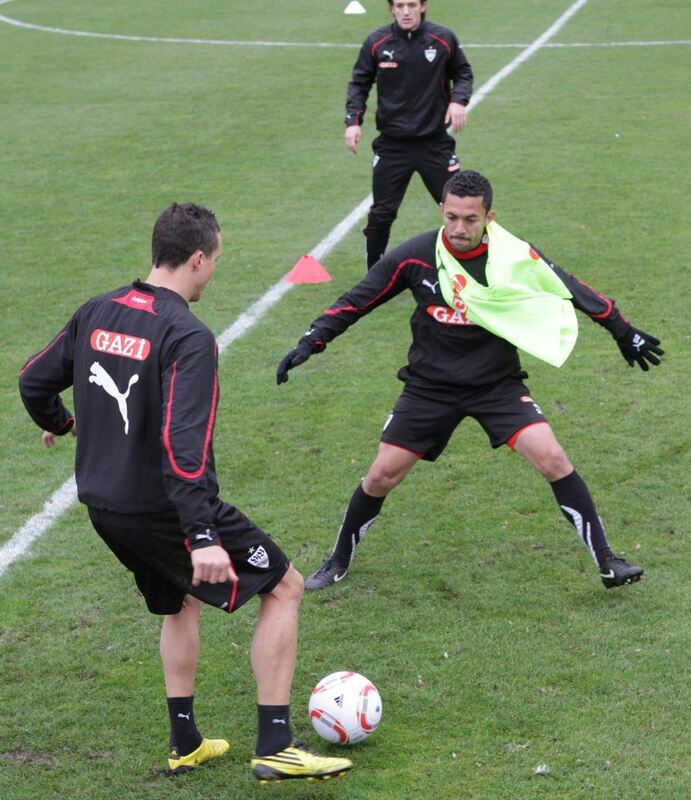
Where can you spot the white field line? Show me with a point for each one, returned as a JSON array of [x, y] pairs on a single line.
[[330, 45], [66, 495], [256, 311], [55, 507], [523, 56]]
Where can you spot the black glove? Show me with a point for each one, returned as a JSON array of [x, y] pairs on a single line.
[[298, 355], [638, 346]]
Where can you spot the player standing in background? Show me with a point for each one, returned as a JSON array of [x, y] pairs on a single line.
[[144, 372], [480, 293], [424, 82]]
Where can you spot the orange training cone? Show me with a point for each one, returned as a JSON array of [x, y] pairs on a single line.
[[308, 270]]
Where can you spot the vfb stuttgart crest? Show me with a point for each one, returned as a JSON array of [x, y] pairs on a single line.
[[430, 54]]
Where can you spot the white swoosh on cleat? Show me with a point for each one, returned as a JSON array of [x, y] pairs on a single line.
[[609, 574], [338, 578]]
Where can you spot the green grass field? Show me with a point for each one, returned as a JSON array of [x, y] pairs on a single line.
[[472, 605]]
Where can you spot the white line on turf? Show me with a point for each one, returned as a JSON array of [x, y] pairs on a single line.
[[66, 495], [330, 45], [256, 311], [55, 507]]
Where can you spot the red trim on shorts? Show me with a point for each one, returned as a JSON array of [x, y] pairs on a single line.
[[233, 594], [511, 441], [407, 449]]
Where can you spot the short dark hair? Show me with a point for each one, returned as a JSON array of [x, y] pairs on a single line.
[[468, 183], [180, 231]]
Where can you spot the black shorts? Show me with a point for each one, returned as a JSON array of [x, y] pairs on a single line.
[[152, 547], [423, 420]]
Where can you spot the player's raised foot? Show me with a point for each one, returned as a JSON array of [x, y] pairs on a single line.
[[329, 573], [617, 572], [208, 749], [297, 762]]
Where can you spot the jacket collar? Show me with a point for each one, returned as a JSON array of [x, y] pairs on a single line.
[[409, 34], [467, 254]]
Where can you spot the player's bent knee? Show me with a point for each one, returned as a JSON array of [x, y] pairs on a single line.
[[291, 587], [379, 483], [555, 464], [191, 605]]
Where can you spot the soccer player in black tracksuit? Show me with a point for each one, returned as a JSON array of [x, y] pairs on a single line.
[[457, 369], [424, 83], [144, 371]]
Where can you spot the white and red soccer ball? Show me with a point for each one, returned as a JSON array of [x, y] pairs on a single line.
[[345, 708]]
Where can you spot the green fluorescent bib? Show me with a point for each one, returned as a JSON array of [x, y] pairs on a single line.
[[524, 302]]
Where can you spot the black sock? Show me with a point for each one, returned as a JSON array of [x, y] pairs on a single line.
[[184, 736], [274, 729], [362, 510], [577, 506]]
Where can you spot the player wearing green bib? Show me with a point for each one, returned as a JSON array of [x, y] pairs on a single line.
[[481, 294]]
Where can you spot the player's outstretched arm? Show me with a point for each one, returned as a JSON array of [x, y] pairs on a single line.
[[639, 347], [310, 343]]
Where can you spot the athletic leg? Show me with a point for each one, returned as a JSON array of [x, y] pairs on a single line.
[[436, 161], [180, 654], [180, 648], [274, 646], [391, 174], [539, 446], [274, 650], [388, 469], [273, 654]]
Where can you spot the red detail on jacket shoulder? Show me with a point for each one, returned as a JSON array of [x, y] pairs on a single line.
[[446, 44], [137, 300]]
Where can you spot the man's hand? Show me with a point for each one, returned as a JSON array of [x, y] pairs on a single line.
[[456, 116], [298, 355], [212, 565], [637, 346], [49, 438], [353, 134]]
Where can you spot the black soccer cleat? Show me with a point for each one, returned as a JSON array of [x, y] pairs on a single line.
[[329, 573], [617, 572]]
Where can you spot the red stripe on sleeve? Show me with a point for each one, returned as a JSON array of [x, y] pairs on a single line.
[[387, 288], [609, 303], [207, 439], [43, 352]]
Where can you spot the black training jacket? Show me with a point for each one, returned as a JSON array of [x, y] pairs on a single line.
[[447, 350], [414, 72], [144, 372]]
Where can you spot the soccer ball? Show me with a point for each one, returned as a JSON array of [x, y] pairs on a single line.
[[345, 708]]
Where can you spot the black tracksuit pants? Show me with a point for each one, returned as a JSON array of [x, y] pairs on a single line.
[[395, 161]]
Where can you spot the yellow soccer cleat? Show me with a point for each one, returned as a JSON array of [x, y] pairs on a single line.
[[208, 749], [296, 761]]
